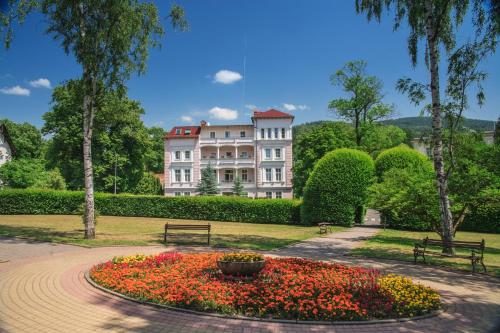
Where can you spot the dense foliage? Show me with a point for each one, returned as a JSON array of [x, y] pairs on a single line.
[[311, 144], [337, 187], [287, 288], [26, 138], [406, 193], [422, 126], [149, 184], [402, 157], [216, 208], [120, 138], [30, 173]]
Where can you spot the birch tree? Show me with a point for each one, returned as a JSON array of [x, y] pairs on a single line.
[[109, 39]]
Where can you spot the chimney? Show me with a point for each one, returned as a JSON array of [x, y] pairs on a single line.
[[203, 123]]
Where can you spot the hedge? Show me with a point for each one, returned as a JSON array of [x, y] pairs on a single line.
[[216, 208], [337, 187], [402, 157]]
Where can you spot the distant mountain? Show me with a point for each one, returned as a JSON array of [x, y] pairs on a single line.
[[423, 125], [414, 126]]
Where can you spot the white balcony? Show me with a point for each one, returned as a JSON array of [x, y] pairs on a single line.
[[248, 162], [226, 141]]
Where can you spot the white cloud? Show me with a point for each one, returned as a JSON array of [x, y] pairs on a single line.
[[227, 77], [223, 113], [187, 119], [16, 90], [251, 106], [295, 107], [41, 83]]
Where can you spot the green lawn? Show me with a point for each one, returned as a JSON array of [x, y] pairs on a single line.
[[396, 244], [113, 230]]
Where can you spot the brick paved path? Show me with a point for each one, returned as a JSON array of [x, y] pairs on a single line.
[[45, 291]]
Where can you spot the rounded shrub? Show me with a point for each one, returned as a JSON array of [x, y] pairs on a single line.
[[402, 157], [337, 187]]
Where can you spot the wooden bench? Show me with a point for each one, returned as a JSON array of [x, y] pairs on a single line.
[[477, 251], [170, 226], [324, 227]]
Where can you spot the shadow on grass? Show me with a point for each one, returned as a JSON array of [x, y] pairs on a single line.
[[254, 242], [401, 248]]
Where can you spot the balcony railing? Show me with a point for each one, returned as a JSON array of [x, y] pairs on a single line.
[[227, 141]]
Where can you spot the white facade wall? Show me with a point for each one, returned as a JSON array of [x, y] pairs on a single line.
[[5, 151]]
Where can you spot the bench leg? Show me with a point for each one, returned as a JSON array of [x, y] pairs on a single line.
[[165, 237], [209, 238], [415, 255], [482, 264]]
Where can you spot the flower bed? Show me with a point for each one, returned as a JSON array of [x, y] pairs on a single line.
[[288, 288]]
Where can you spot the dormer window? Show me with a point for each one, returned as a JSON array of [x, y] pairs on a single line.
[[177, 131], [187, 131]]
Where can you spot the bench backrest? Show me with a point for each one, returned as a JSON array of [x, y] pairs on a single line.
[[458, 244], [187, 226]]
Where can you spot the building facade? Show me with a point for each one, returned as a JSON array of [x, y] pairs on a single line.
[[6, 147], [260, 154]]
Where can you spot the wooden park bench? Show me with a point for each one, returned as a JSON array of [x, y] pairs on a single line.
[[324, 227], [477, 251], [170, 226]]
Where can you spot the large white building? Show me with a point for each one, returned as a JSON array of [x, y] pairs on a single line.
[[260, 154]]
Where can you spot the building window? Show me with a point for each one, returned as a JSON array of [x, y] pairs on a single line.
[[177, 155], [187, 175], [269, 195], [177, 131], [212, 135], [268, 153], [187, 194], [277, 153], [269, 133], [228, 176], [277, 174], [244, 175], [269, 175], [187, 131], [177, 194], [276, 133], [177, 175], [244, 154], [187, 155], [279, 195], [283, 134], [227, 134], [262, 133], [243, 134]]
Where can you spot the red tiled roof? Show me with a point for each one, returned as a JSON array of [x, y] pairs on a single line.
[[271, 113], [194, 132]]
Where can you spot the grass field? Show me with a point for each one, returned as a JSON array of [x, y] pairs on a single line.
[[396, 244], [113, 230]]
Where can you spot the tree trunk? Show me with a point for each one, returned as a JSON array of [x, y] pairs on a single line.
[[88, 120], [437, 129]]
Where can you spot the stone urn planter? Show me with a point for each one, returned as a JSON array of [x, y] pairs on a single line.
[[235, 268], [241, 264]]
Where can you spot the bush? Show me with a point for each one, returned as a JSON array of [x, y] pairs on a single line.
[[217, 208], [337, 187], [149, 184], [484, 217], [402, 157], [406, 200], [30, 173]]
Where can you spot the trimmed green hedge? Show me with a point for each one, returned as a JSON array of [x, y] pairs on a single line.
[[402, 157], [337, 187], [216, 208]]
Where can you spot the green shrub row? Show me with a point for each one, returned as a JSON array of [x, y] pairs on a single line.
[[216, 208]]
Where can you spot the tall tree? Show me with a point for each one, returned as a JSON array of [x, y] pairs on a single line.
[[120, 139], [364, 105], [436, 23], [154, 157], [110, 40], [208, 182]]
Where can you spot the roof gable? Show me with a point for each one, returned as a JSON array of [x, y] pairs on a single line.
[[271, 113], [181, 132]]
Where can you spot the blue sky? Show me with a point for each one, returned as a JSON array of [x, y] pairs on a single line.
[[291, 48]]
